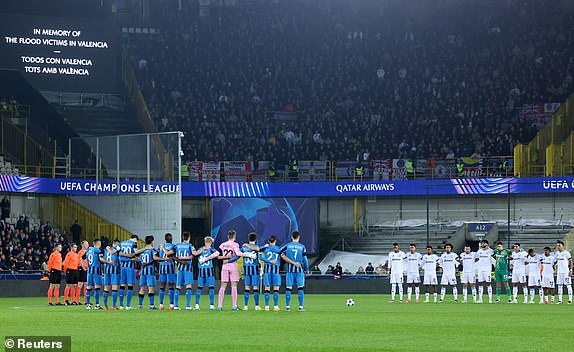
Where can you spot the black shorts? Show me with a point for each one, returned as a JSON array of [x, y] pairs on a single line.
[[55, 276], [82, 275], [72, 277]]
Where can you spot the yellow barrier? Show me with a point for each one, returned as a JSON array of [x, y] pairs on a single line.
[[66, 211], [17, 146], [556, 131]]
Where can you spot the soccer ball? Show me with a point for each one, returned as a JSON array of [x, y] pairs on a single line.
[[350, 302]]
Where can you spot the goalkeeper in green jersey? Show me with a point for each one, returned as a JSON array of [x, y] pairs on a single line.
[[502, 255]]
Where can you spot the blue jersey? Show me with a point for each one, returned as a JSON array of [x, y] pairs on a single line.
[[94, 265], [127, 247], [250, 266], [109, 268], [146, 258], [169, 266], [183, 249], [268, 255], [206, 269], [298, 254]]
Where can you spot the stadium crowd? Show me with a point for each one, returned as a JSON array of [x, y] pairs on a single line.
[[334, 80], [24, 249]]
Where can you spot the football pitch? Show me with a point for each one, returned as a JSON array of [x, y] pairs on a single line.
[[373, 324]]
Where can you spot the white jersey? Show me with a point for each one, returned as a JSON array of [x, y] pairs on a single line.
[[413, 261], [468, 262], [534, 264], [484, 259], [548, 265], [448, 263], [519, 261], [562, 260], [429, 263], [396, 262]]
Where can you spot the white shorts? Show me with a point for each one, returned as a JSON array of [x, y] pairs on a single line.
[[413, 278], [563, 279], [467, 278], [448, 279], [518, 277], [534, 280], [396, 278], [430, 279], [548, 281], [484, 276]]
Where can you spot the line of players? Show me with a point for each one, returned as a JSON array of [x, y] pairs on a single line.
[[478, 265], [118, 274]]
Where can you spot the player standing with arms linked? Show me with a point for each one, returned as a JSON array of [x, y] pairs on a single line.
[[127, 255], [468, 276], [206, 275], [448, 262], [430, 261], [484, 264], [413, 260], [95, 257], [112, 274], [295, 254], [518, 267], [251, 272], [230, 271], [395, 265], [501, 255], [271, 276], [564, 271], [166, 271], [534, 281], [547, 265], [184, 253], [147, 273]]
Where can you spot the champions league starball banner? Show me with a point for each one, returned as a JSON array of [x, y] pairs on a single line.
[[266, 217], [467, 186]]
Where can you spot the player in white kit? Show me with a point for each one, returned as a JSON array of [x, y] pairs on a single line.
[[448, 262], [413, 262], [534, 281], [395, 265], [468, 276], [563, 271], [484, 255], [518, 267], [430, 261], [548, 262]]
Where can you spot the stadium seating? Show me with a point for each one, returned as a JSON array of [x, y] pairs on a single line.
[[332, 80]]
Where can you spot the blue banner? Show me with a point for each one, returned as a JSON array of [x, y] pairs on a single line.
[[292, 189]]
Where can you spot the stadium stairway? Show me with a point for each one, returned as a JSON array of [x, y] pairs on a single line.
[[380, 242], [536, 237]]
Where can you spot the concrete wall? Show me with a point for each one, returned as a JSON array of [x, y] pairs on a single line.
[[154, 214]]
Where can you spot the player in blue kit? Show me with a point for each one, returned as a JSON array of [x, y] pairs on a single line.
[[166, 271], [184, 253], [295, 254], [127, 256], [206, 275], [147, 272], [95, 258], [271, 276], [251, 271], [112, 274]]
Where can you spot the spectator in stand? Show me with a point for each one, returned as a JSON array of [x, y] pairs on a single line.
[[5, 206], [360, 271], [369, 270], [315, 270], [338, 271], [333, 80], [76, 231], [20, 223], [47, 228]]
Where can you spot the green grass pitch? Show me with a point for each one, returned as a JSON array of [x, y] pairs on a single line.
[[373, 324]]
